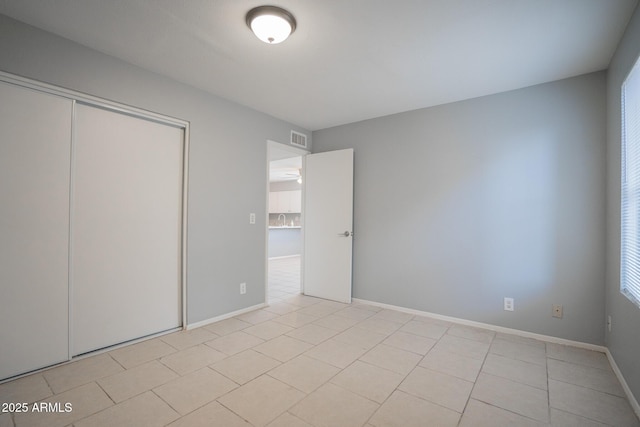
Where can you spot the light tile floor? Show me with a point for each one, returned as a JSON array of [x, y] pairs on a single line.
[[309, 362], [284, 278]]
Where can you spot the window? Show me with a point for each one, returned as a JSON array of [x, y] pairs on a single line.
[[630, 209]]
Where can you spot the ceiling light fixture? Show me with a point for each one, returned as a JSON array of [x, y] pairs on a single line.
[[271, 24]]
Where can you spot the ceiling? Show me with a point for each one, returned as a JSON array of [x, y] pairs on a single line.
[[348, 60], [285, 163]]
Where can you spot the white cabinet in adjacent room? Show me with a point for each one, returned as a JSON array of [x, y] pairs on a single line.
[[285, 201]]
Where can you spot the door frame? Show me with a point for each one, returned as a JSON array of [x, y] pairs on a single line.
[[296, 152]]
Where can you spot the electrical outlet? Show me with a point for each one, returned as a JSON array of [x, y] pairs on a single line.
[[609, 323], [252, 218], [557, 311], [508, 304], [243, 288]]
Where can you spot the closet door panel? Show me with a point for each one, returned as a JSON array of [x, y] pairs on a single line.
[[126, 228], [35, 141]]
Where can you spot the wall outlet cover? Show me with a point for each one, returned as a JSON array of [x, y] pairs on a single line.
[[508, 304], [243, 288], [557, 311]]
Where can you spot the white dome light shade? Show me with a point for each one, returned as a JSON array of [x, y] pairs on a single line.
[[271, 24]]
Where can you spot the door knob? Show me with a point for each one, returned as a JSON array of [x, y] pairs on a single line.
[[346, 234]]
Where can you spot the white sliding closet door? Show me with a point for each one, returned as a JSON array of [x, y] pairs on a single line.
[[126, 228], [35, 141]]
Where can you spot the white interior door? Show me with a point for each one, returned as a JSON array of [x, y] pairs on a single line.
[[126, 228], [328, 224], [35, 141]]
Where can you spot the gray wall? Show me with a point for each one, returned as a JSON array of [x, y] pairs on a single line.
[[460, 205], [624, 339], [284, 242], [227, 168]]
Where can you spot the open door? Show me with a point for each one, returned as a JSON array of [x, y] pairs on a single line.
[[328, 225]]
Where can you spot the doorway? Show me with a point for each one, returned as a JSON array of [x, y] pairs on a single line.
[[284, 225]]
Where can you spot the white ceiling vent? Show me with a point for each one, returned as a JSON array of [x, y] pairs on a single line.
[[298, 139]]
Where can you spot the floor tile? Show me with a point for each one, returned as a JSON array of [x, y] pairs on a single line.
[[227, 326], [338, 364], [366, 306], [517, 339], [288, 420], [565, 419], [452, 364], [394, 316], [134, 381], [480, 414], [194, 390], [268, 330], [336, 353], [281, 308], [234, 342], [516, 370], [410, 342], [27, 389], [142, 352], [470, 333], [244, 367], [424, 329], [318, 310], [402, 409], [185, 339], [211, 415], [362, 338], [144, 410], [84, 400], [192, 359], [591, 404], [80, 372], [261, 400], [522, 399], [585, 376], [312, 334], [432, 320], [380, 326], [463, 346], [392, 358], [257, 316], [354, 312], [368, 381], [519, 351], [442, 389], [577, 355], [334, 304], [296, 319], [338, 323], [333, 406], [304, 373], [302, 300], [283, 348]]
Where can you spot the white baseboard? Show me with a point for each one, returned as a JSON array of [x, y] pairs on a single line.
[[225, 316], [632, 399], [489, 326], [285, 256]]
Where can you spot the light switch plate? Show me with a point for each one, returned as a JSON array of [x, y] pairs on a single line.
[[252, 218]]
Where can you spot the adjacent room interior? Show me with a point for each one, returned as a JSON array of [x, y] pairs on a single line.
[[284, 252], [405, 213]]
